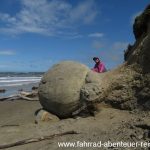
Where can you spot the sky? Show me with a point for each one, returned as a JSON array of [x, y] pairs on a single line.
[[36, 34]]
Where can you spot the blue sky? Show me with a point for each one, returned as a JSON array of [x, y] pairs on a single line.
[[35, 34]]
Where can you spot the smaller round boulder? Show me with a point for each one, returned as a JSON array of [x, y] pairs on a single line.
[[44, 116]]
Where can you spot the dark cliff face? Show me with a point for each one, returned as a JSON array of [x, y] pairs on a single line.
[[141, 24], [139, 53]]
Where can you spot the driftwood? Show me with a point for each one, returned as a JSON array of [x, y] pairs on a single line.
[[9, 125], [11, 97], [32, 94], [21, 95], [27, 98], [38, 139]]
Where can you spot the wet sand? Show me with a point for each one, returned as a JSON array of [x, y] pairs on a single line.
[[17, 111]]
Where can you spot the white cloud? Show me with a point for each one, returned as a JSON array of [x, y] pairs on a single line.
[[96, 35], [85, 12], [119, 45], [7, 52], [52, 18]]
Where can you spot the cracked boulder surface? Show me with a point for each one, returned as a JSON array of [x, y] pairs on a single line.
[[59, 90], [68, 86]]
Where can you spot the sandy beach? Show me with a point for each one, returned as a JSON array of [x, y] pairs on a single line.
[[11, 112], [18, 123]]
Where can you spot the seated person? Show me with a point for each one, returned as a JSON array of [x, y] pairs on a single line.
[[99, 66]]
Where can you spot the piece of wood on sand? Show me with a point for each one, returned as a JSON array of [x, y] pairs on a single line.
[[22, 95], [38, 139]]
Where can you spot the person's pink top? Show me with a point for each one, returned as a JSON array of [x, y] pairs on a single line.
[[99, 68]]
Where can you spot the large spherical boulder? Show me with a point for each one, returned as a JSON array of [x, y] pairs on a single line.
[[59, 89]]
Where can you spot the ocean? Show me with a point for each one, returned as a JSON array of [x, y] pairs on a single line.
[[14, 82]]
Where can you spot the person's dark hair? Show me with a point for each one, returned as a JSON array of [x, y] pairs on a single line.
[[95, 58]]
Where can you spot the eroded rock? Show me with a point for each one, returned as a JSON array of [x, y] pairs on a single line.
[[44, 116], [59, 90]]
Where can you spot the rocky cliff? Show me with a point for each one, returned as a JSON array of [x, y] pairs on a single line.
[[131, 88]]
